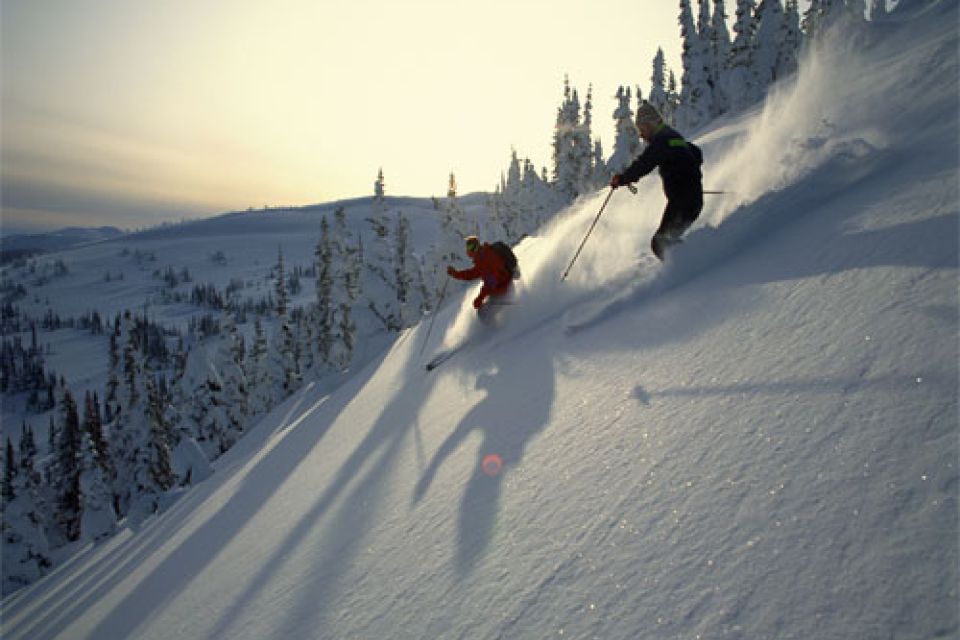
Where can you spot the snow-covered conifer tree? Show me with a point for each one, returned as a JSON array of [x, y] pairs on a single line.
[[25, 549], [378, 261], [626, 143], [583, 148], [154, 468], [720, 45], [739, 83], [657, 96], [66, 474], [324, 304], [140, 434], [791, 40], [282, 356], [695, 94], [566, 171], [600, 174], [347, 292], [770, 30], [259, 374], [508, 208], [228, 362], [411, 295], [98, 519]]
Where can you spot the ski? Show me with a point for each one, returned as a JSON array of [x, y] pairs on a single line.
[[442, 357]]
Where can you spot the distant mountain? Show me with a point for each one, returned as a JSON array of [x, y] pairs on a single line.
[[19, 246]]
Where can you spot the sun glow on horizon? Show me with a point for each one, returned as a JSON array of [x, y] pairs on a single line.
[[220, 106]]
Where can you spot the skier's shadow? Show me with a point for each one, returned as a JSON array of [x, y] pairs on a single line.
[[508, 417]]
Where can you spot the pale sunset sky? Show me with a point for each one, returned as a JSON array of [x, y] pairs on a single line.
[[135, 112]]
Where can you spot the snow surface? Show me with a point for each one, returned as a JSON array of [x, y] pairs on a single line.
[[762, 444]]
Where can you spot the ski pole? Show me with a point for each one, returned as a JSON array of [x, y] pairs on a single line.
[[633, 190], [589, 231], [433, 316]]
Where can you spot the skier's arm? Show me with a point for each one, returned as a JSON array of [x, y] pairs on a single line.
[[644, 164], [467, 274]]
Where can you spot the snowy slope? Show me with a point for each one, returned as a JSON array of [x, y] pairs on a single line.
[[761, 443]]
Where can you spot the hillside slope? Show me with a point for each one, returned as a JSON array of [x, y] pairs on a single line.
[[761, 443]]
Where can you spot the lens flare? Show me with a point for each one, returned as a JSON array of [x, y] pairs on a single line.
[[492, 465]]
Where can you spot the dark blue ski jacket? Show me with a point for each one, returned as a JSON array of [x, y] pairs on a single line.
[[679, 161]]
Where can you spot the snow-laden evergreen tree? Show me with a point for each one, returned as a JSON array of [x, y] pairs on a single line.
[[140, 433], [66, 470], [228, 362], [449, 245], [154, 469], [25, 549], [347, 292], [791, 40], [323, 310], [282, 355], [626, 142], [507, 215], [93, 424], [452, 186], [111, 403], [600, 174], [567, 157], [720, 45], [98, 518], [708, 59], [412, 299], [770, 30], [260, 375], [739, 81], [657, 96], [673, 99], [696, 95], [379, 189], [378, 259], [583, 148]]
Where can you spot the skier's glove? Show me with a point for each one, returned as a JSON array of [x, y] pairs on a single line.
[[451, 271], [478, 302]]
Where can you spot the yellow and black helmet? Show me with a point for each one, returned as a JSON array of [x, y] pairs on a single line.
[[472, 244]]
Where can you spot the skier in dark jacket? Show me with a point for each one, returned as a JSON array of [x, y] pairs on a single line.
[[679, 161], [489, 266]]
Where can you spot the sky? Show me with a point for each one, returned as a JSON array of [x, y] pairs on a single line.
[[135, 113]]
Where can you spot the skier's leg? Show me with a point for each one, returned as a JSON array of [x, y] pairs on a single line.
[[677, 218]]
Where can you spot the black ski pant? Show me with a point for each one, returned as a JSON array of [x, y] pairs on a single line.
[[677, 218]]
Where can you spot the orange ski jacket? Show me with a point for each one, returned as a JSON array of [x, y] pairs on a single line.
[[489, 266]]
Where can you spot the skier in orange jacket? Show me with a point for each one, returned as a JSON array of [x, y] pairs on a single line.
[[487, 265]]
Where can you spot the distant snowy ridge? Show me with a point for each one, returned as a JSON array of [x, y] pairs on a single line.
[[22, 245]]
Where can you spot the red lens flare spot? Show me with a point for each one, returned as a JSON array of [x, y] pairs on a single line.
[[492, 465]]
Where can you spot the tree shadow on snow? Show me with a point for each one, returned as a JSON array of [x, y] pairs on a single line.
[[367, 472], [188, 560], [508, 417]]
